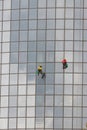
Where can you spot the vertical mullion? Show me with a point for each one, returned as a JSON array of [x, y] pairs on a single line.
[[36, 66], [9, 71], [27, 70], [82, 64], [45, 66], [64, 57], [54, 69], [1, 50], [73, 63], [18, 68]]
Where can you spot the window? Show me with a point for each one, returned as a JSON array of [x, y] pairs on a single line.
[[24, 4], [5, 57], [33, 3], [41, 3], [15, 4]]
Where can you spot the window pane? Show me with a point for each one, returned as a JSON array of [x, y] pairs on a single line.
[[22, 57], [67, 100], [15, 4], [32, 24], [33, 3], [32, 46], [50, 57], [23, 25], [39, 111], [32, 14], [67, 112], [24, 3], [31, 56], [60, 3], [77, 101], [58, 112], [14, 47], [58, 100], [40, 56], [41, 3], [59, 13], [24, 14], [15, 14], [14, 58], [50, 13], [23, 36], [50, 3], [41, 13]]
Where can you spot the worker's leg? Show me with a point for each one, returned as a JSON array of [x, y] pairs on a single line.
[[65, 66], [39, 72], [43, 75]]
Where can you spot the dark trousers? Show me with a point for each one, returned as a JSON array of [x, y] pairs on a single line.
[[39, 72], [64, 65], [43, 75]]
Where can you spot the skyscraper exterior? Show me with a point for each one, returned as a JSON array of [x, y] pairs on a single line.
[[43, 32]]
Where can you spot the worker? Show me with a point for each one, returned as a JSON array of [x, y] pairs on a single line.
[[39, 69], [64, 62]]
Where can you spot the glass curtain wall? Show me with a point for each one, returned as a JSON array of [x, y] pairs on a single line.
[[43, 32]]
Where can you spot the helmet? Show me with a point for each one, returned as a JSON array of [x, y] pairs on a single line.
[[40, 66]]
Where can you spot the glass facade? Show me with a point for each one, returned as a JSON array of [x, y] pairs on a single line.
[[43, 32]]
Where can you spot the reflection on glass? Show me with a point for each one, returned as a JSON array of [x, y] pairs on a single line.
[[7, 4], [50, 3], [23, 25], [77, 101], [22, 57], [67, 122], [14, 58], [13, 101], [67, 111], [39, 111], [50, 13], [39, 101], [24, 14], [13, 90], [49, 123], [49, 100], [39, 122], [12, 112], [14, 47], [33, 3], [31, 78], [41, 35], [15, 15], [15, 4], [58, 122], [24, 4], [41, 24], [32, 24], [32, 14], [41, 13], [14, 36], [67, 100]]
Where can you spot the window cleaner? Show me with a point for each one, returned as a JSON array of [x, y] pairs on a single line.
[[64, 62], [39, 71]]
